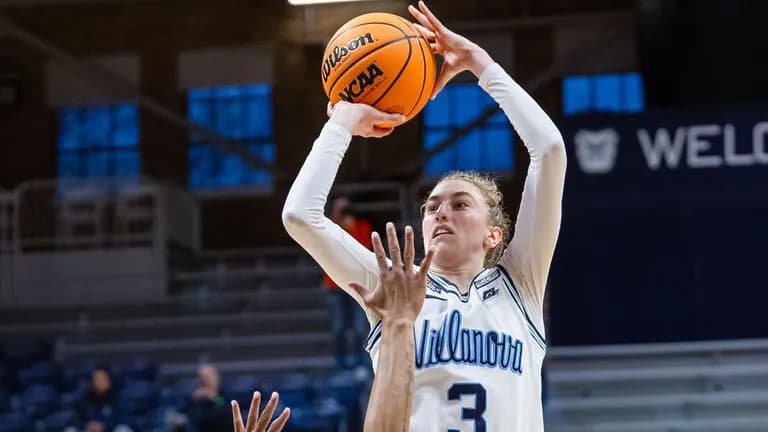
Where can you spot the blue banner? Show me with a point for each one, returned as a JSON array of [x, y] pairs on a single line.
[[665, 228]]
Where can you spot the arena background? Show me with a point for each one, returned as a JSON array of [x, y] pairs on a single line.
[[146, 148]]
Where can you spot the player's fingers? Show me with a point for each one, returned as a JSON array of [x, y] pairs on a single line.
[[380, 132], [378, 250], [408, 254], [436, 24], [253, 411], [362, 291], [389, 119], [446, 73], [329, 109], [427, 33], [237, 417], [424, 269], [394, 246], [280, 421], [269, 410], [420, 17]]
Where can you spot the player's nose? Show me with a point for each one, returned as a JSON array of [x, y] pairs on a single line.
[[441, 213]]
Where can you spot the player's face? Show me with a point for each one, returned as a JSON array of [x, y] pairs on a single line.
[[455, 222]]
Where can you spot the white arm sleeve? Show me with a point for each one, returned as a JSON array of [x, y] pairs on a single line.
[[337, 252], [529, 255]]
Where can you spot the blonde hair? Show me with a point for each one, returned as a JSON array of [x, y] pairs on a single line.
[[495, 202]]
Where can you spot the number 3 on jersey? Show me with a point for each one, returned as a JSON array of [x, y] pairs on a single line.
[[475, 414]]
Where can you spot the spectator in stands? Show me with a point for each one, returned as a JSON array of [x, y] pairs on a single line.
[[98, 406], [346, 316], [207, 410]]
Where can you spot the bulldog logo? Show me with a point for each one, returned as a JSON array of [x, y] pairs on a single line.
[[596, 150]]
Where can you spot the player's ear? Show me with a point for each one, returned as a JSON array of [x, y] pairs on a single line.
[[494, 237]]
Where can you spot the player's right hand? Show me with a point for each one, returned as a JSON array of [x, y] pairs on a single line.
[[260, 423], [459, 53], [363, 120], [402, 287]]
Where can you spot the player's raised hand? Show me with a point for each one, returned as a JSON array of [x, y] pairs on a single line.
[[260, 423], [402, 287], [459, 53], [363, 120]]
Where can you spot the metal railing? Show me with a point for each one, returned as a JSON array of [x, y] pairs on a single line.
[[102, 213]]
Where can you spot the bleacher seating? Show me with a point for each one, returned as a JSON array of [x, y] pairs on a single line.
[[694, 386]]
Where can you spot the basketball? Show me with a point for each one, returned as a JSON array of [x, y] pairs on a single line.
[[379, 59]]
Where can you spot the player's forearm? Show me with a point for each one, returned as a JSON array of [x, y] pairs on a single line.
[[305, 202], [538, 131], [391, 400], [538, 220]]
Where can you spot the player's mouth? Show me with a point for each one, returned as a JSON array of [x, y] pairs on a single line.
[[440, 230]]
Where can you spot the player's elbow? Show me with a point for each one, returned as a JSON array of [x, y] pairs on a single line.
[[555, 149], [294, 219]]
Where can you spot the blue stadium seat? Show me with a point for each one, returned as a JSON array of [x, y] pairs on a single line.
[[42, 373], [77, 376], [138, 398], [322, 415], [14, 422], [241, 389], [69, 400], [177, 395], [58, 421], [347, 388], [37, 401], [136, 369], [295, 390], [5, 401], [344, 386]]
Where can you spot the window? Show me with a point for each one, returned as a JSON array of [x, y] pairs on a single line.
[[486, 148], [618, 93], [99, 141], [242, 112]]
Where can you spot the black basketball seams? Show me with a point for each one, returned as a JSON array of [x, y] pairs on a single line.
[[399, 74], [423, 78]]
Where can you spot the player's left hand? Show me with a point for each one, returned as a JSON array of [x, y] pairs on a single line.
[[260, 423], [402, 287], [459, 53]]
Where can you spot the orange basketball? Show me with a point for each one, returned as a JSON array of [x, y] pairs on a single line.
[[379, 59]]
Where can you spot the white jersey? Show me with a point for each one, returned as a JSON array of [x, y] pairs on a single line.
[[478, 358], [478, 355]]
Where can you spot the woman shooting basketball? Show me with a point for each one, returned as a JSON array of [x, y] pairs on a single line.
[[479, 341]]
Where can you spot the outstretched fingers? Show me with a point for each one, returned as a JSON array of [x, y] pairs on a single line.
[[421, 18], [365, 294], [394, 246], [269, 410], [410, 249], [424, 269], [378, 250], [280, 421], [431, 18], [237, 417]]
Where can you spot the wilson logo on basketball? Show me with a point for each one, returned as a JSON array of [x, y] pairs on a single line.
[[357, 86], [340, 51]]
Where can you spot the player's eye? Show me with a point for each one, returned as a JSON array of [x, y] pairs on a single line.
[[461, 205], [431, 208]]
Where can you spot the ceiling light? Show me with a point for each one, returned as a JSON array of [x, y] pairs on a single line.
[[315, 2]]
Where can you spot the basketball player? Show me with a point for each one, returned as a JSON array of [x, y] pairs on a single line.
[[479, 337]]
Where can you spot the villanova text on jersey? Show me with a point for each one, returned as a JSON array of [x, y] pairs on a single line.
[[451, 343]]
